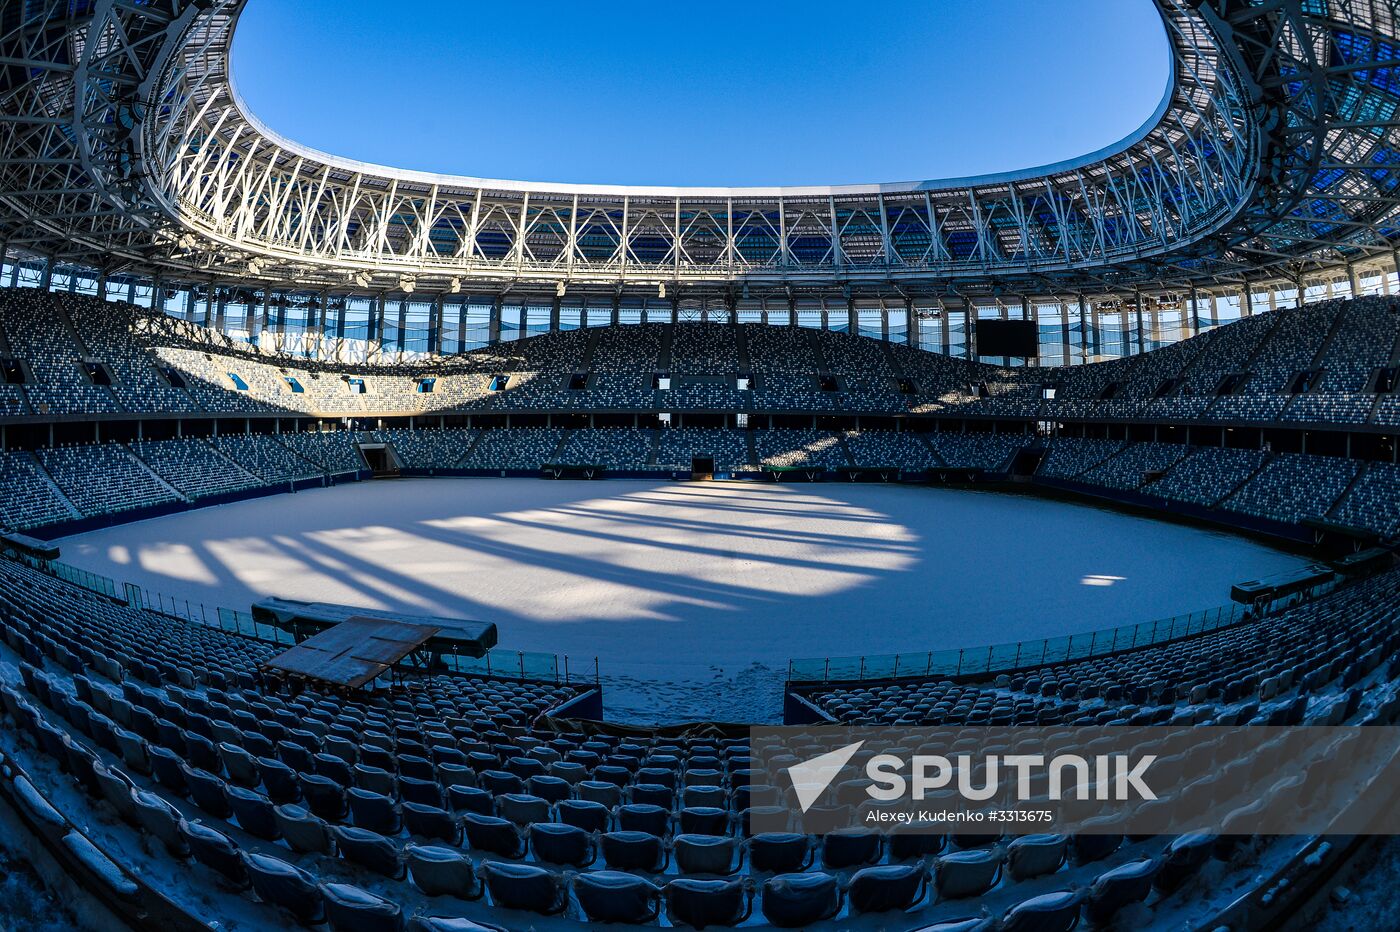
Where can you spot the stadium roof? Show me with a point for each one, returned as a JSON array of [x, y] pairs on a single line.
[[125, 146]]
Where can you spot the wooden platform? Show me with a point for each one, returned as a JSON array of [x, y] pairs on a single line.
[[352, 653], [302, 619]]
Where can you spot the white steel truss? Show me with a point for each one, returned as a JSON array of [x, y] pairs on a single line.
[[123, 146]]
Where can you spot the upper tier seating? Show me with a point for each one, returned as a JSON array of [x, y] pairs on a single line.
[[37, 334], [793, 369], [106, 329]]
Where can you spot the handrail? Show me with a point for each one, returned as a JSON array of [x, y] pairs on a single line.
[[1025, 655]]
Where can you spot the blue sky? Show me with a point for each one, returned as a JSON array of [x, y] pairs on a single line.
[[720, 93]]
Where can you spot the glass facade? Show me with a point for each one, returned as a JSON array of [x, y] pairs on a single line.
[[398, 328]]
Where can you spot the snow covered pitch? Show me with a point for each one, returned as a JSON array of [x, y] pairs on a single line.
[[693, 596]]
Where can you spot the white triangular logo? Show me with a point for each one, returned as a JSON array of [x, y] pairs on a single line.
[[811, 778]]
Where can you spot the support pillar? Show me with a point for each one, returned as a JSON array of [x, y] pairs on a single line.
[[493, 328]]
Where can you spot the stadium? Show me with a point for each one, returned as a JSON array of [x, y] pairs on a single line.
[[388, 550]]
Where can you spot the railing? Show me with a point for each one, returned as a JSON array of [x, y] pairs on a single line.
[[91, 581], [1003, 658], [521, 664], [498, 662]]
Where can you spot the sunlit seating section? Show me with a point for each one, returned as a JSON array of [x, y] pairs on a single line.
[[332, 450], [266, 456], [1208, 475], [819, 449], [194, 467], [27, 498], [223, 384], [103, 478], [514, 448]]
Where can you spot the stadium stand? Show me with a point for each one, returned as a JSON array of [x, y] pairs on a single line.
[[1208, 475], [991, 452], [199, 310], [314, 805], [334, 450], [28, 498], [615, 448], [1129, 468], [265, 456], [425, 449], [520, 448], [103, 478], [884, 448], [678, 447], [194, 468]]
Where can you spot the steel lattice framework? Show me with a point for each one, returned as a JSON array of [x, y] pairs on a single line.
[[124, 147]]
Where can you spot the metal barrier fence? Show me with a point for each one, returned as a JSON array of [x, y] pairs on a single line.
[[498, 662], [1003, 658]]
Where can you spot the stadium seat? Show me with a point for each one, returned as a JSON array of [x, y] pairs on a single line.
[[719, 855], [961, 874], [633, 851], [791, 901], [352, 909], [254, 812], [216, 851], [1050, 912], [1123, 885], [285, 886], [614, 896], [885, 888], [303, 831], [439, 871], [558, 843], [525, 887]]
